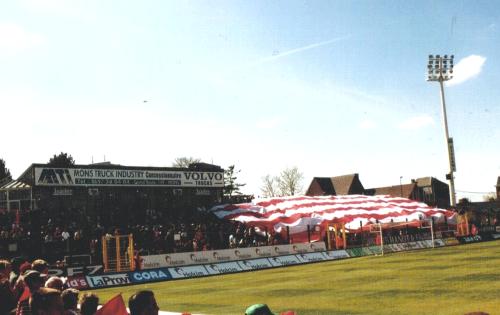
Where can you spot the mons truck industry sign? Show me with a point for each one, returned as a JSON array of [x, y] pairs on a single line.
[[45, 176]]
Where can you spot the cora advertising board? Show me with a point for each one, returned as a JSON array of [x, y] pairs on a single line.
[[150, 275], [49, 176]]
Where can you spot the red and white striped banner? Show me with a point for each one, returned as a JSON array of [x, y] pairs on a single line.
[[297, 212]]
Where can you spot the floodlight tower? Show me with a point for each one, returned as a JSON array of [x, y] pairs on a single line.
[[440, 68]]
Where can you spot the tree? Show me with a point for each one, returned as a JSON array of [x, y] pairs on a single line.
[[61, 160], [491, 196], [5, 176], [230, 185], [290, 182], [184, 161], [269, 186]]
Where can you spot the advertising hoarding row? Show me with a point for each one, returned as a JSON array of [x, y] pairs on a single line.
[[226, 255], [207, 268], [82, 282]]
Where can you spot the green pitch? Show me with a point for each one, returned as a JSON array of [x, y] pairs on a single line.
[[451, 280]]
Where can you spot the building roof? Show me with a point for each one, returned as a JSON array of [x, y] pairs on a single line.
[[424, 181], [343, 183], [404, 191], [15, 184], [326, 185], [428, 181]]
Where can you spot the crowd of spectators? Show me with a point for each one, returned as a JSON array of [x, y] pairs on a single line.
[[53, 236], [26, 289]]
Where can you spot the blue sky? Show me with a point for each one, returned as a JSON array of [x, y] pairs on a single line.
[[332, 87]]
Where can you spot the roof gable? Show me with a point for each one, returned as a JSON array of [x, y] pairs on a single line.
[[347, 184], [321, 186]]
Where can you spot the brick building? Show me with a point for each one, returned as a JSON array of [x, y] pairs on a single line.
[[426, 189]]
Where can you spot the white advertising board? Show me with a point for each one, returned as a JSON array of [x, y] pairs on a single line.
[[108, 280], [188, 272], [220, 268], [226, 255], [254, 264], [336, 254], [280, 261], [439, 242], [310, 257]]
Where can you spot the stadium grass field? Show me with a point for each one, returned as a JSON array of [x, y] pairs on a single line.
[[450, 280]]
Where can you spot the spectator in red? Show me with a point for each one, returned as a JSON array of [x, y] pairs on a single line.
[[32, 281], [7, 297]]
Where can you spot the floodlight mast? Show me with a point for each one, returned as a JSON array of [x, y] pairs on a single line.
[[440, 68]]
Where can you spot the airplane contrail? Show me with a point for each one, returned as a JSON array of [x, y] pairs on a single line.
[[296, 51]]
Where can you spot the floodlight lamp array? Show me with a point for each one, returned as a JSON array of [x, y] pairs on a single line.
[[440, 68]]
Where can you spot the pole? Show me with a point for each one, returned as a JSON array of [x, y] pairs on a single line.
[[362, 238], [401, 185], [445, 122], [328, 242], [432, 232], [343, 235]]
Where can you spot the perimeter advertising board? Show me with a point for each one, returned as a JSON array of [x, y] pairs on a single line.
[[310, 257], [226, 255], [228, 267], [188, 272], [284, 260], [73, 271], [255, 264], [110, 280], [150, 275], [336, 254], [45, 176], [77, 282]]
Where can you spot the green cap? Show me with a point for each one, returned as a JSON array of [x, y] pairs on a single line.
[[258, 309]]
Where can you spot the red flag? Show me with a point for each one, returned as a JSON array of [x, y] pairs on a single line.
[[26, 293], [115, 306]]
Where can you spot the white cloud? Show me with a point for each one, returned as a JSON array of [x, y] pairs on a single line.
[[466, 69], [416, 122], [367, 124], [14, 39]]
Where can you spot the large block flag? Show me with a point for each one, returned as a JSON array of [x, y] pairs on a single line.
[[115, 306], [298, 212]]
